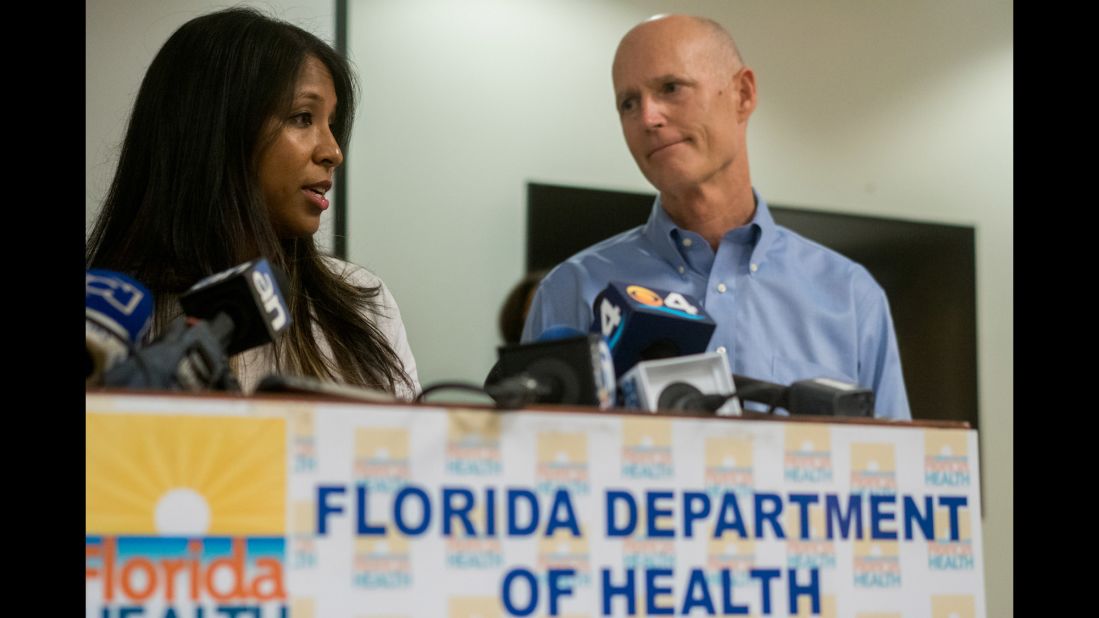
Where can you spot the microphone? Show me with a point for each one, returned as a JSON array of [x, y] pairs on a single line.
[[641, 323], [817, 396], [692, 383], [226, 313], [118, 312], [565, 366], [303, 385], [250, 295]]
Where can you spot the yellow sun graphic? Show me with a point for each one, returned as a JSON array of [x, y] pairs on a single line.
[[184, 475]]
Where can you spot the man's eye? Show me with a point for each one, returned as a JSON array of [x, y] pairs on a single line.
[[671, 88], [626, 105]]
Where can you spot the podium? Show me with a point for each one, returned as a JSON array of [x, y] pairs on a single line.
[[219, 505]]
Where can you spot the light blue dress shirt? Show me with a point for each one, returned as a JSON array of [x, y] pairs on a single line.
[[786, 308]]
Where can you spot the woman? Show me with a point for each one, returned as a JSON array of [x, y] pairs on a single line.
[[230, 149]]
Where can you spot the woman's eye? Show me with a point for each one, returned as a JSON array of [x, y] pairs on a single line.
[[303, 119]]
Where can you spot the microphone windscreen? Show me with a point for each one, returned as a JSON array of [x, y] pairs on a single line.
[[642, 323], [251, 295], [118, 312]]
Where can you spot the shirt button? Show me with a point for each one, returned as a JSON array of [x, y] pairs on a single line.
[[754, 267], [687, 242], [720, 349], [681, 269], [721, 288]]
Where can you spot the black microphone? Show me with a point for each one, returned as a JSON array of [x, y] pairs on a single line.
[[817, 396], [642, 323], [681, 396], [118, 311], [227, 313], [250, 295], [564, 366]]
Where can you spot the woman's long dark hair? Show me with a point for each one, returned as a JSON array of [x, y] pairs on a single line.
[[185, 201]]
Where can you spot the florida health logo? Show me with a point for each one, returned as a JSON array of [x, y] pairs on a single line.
[[944, 554], [732, 553], [813, 550], [946, 458], [953, 606], [473, 443], [873, 469], [877, 564], [639, 551], [562, 463], [564, 551], [728, 466], [647, 448], [466, 552], [808, 455], [827, 609], [303, 545], [303, 441], [382, 563], [185, 516], [381, 458], [474, 607]]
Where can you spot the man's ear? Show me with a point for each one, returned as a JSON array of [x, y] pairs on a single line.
[[746, 94]]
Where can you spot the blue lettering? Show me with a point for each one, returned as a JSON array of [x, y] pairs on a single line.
[[953, 503], [237, 610], [364, 528], [727, 606], [558, 588], [691, 514], [652, 590], [926, 521], [613, 498], [812, 589], [655, 512], [626, 591], [698, 594], [803, 501], [833, 512], [514, 529], [765, 576], [490, 512], [879, 516], [462, 511], [772, 514], [729, 517], [323, 508], [561, 502], [398, 510], [532, 586]]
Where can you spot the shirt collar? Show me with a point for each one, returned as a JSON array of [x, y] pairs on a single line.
[[658, 230]]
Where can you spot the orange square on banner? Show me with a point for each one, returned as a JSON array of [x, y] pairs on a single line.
[[154, 474]]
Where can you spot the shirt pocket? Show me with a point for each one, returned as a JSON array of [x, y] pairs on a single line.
[[785, 371]]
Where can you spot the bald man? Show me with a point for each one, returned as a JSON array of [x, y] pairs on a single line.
[[786, 308]]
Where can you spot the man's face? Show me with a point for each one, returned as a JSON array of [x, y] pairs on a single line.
[[682, 102]]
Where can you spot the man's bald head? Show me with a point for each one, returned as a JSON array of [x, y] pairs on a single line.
[[715, 41]]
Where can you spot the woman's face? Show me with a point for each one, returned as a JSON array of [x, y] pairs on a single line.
[[296, 165]]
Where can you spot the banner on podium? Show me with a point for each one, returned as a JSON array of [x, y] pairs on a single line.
[[206, 507]]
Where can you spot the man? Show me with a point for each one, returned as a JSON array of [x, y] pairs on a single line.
[[786, 308]]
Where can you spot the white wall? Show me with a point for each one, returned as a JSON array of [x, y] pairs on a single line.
[[901, 109], [122, 36]]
